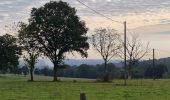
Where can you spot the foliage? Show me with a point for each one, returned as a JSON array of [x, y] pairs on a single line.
[[158, 71], [25, 70], [31, 61], [46, 71], [86, 71], [82, 71], [28, 47], [37, 71], [9, 53], [56, 30]]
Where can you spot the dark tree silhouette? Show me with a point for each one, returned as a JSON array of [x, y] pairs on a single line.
[[56, 30], [160, 69], [25, 70], [9, 53], [28, 48], [31, 60], [106, 42]]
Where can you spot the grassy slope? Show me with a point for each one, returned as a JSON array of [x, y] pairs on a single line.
[[17, 88]]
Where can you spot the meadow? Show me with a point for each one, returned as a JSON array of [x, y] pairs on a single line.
[[18, 88]]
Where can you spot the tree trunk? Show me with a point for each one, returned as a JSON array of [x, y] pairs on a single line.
[[55, 73], [106, 77], [105, 66], [31, 73]]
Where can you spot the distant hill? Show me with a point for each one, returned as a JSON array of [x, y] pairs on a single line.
[[41, 63], [72, 62], [165, 61]]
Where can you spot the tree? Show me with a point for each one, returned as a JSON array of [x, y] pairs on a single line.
[[135, 52], [57, 30], [9, 53], [31, 60], [160, 69], [86, 71], [28, 48], [106, 42], [37, 71], [46, 71], [25, 70]]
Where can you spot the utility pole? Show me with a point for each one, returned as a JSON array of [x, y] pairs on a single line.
[[153, 74], [125, 67]]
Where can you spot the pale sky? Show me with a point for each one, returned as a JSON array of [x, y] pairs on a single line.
[[150, 19]]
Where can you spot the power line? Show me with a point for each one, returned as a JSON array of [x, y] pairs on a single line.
[[99, 12], [102, 14]]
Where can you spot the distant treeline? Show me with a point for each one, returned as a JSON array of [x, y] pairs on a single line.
[[142, 70]]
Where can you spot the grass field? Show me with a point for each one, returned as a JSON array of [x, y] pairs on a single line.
[[17, 88]]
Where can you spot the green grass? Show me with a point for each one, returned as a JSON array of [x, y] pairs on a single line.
[[17, 88]]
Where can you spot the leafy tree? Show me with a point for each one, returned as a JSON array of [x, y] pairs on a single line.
[[31, 54], [69, 71], [106, 42], [86, 71], [37, 71], [25, 70], [9, 53], [57, 30], [31, 61], [160, 69], [16, 70], [46, 71]]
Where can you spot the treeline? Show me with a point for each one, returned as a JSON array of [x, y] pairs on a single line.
[[94, 71], [142, 70]]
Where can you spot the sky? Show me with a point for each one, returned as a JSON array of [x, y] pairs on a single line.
[[150, 19]]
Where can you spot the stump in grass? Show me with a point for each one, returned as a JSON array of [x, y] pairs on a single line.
[[82, 96]]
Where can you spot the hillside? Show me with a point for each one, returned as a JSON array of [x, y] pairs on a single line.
[[72, 62]]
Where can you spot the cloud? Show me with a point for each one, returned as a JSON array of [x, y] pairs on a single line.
[[136, 12], [163, 33], [157, 35], [145, 17], [152, 29], [111, 8]]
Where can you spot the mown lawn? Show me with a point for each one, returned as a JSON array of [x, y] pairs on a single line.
[[17, 88]]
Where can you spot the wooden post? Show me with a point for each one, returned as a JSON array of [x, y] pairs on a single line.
[[125, 66], [154, 65], [82, 96]]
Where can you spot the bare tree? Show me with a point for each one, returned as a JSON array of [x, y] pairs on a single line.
[[135, 52], [106, 42]]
